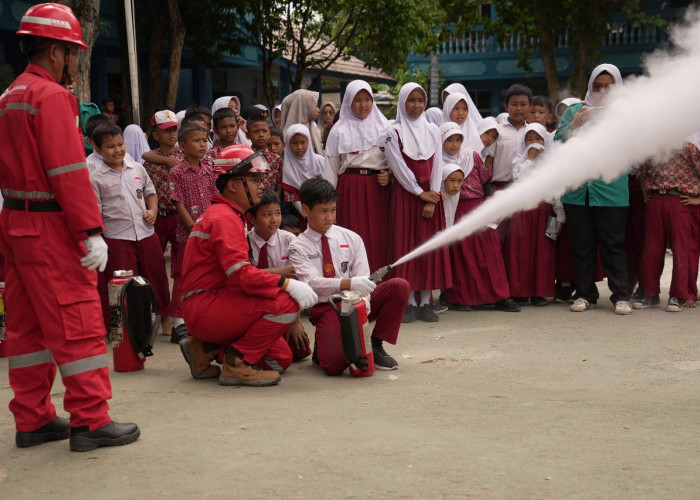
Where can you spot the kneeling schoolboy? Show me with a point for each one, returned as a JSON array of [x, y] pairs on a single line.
[[332, 259]]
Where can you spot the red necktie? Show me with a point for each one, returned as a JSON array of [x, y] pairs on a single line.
[[328, 268], [262, 258]]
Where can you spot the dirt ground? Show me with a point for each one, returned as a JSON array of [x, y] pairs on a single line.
[[541, 404]]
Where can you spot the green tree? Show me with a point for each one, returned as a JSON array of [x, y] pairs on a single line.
[[7, 74]]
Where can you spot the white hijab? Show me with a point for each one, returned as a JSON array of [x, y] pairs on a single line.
[[420, 139], [465, 157], [434, 116], [296, 108], [569, 101], [472, 141], [522, 149], [487, 124], [592, 98], [461, 89], [136, 143], [450, 200], [296, 170], [350, 134]]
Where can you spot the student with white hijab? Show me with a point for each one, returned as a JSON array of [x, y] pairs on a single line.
[[301, 106], [414, 154], [596, 212], [454, 109], [358, 167], [136, 142]]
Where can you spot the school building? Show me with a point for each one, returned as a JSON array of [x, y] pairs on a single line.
[[239, 75], [487, 67]]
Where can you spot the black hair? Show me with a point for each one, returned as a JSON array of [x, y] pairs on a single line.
[[103, 130], [517, 89], [195, 117], [268, 197], [257, 118], [317, 190], [275, 132], [106, 100], [290, 220], [186, 129], [222, 113], [199, 109], [92, 123], [542, 101], [33, 45]]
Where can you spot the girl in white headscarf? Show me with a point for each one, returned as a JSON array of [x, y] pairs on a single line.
[[326, 119], [136, 142], [488, 133], [414, 153], [434, 116], [358, 167], [277, 116], [564, 104], [300, 164], [456, 109], [301, 106], [461, 89]]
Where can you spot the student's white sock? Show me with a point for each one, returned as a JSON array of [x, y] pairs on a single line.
[[177, 321], [412, 299], [424, 297]]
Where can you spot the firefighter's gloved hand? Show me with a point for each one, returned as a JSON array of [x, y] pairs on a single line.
[[363, 285], [302, 293], [96, 257]]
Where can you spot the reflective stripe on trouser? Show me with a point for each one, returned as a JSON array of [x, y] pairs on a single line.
[[251, 325], [53, 307]]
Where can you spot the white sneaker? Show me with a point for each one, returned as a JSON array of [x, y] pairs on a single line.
[[581, 305], [622, 307]]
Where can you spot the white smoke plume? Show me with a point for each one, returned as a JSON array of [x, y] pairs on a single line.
[[648, 116]]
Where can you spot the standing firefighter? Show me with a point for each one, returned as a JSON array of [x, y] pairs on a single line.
[[50, 230]]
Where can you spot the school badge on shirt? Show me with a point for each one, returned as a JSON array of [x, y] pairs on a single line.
[[344, 267]]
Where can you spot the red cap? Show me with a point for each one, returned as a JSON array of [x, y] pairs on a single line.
[[164, 119]]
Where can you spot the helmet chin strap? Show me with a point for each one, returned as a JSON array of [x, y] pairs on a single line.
[[66, 78], [247, 192]]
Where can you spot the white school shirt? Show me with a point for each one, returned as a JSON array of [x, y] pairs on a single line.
[[505, 151], [372, 159], [348, 253], [121, 198], [403, 174], [528, 164], [94, 160], [277, 247]]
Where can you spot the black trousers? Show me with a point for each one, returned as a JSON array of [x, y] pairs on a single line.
[[599, 228]]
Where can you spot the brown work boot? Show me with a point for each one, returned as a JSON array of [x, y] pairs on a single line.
[[199, 359], [235, 371]]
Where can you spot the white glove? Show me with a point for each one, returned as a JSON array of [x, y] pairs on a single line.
[[363, 285], [96, 257], [302, 293]]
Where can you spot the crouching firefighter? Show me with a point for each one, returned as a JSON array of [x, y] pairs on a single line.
[[50, 229], [235, 312]]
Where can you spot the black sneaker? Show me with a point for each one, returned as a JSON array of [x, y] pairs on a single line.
[[438, 308], [645, 302], [539, 301], [410, 314], [382, 361], [459, 307], [178, 333], [674, 304], [507, 305], [56, 430], [426, 313]]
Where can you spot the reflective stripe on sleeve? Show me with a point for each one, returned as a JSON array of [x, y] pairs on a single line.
[[66, 169], [282, 318], [22, 106], [235, 268], [83, 365], [31, 359], [200, 234], [27, 195]]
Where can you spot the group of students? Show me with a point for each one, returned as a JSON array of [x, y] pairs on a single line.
[[406, 179]]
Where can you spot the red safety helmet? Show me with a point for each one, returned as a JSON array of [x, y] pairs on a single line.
[[52, 20], [240, 160]]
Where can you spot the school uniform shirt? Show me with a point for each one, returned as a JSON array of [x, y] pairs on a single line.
[[194, 189], [121, 197], [277, 248], [158, 173], [348, 253], [505, 150], [94, 160], [681, 171], [371, 159]]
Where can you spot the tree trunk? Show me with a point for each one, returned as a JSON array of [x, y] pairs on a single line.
[[155, 48], [177, 41], [127, 114], [88, 13], [548, 46], [584, 48]]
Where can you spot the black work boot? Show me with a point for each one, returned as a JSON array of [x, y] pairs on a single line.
[[112, 434], [57, 429]]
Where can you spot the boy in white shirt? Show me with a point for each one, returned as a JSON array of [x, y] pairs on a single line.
[[332, 259]]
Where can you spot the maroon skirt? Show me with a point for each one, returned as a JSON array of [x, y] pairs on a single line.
[[478, 272], [427, 272], [363, 207], [530, 254]]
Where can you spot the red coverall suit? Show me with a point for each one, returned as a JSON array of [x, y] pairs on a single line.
[[53, 310], [226, 300]]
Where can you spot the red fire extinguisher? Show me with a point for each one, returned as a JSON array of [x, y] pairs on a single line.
[[3, 338], [356, 341], [131, 304]]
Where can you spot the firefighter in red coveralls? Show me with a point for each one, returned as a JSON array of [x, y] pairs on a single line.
[[50, 230], [227, 301]]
